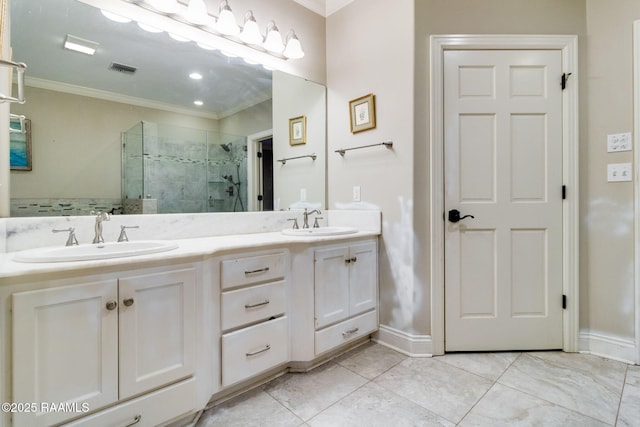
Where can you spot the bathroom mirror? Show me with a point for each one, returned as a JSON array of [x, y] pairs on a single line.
[[81, 105]]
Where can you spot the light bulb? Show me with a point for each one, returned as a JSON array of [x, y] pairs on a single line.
[[226, 21], [197, 12], [294, 48], [273, 40], [250, 32]]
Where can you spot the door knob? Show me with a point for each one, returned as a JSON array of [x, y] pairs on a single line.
[[454, 216]]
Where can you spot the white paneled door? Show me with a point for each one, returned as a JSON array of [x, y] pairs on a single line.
[[503, 168]]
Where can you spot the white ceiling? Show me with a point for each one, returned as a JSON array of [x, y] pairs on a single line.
[[324, 7]]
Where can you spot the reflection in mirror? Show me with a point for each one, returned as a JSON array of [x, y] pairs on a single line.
[[172, 169], [81, 107]]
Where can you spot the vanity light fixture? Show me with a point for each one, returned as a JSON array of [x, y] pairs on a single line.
[[164, 6], [293, 49], [205, 46], [226, 21], [115, 17], [273, 40], [195, 76], [149, 28], [197, 12], [250, 32], [178, 38], [193, 22], [198, 103], [80, 45]]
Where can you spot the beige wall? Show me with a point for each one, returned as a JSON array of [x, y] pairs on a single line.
[[76, 143], [370, 46], [295, 97], [362, 58], [607, 233], [248, 121], [287, 14]]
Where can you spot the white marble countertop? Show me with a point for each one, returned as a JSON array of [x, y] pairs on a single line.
[[187, 248]]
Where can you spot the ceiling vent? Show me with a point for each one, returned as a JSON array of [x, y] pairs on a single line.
[[121, 68]]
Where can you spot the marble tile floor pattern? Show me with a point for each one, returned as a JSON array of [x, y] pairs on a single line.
[[373, 385]]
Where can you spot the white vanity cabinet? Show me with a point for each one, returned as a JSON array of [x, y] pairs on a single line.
[[253, 317], [90, 344], [346, 293]]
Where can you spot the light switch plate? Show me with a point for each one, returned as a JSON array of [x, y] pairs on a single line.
[[619, 172], [356, 193], [619, 142]]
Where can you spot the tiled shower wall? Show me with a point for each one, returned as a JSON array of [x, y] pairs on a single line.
[[185, 169]]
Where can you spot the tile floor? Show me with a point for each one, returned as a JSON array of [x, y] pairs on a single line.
[[375, 386]]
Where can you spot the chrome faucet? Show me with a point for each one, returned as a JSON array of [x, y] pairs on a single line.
[[306, 214], [71, 240], [100, 216], [123, 234]]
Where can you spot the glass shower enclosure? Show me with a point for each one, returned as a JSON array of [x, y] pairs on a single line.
[[174, 169]]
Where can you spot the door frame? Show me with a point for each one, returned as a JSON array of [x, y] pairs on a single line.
[[253, 178], [568, 45]]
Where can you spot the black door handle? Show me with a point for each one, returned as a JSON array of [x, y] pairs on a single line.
[[454, 216]]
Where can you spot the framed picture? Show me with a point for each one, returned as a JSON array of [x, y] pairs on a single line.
[[298, 130], [20, 145], [363, 113]]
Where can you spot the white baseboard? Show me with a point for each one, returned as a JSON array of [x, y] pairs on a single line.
[[616, 348], [408, 344]]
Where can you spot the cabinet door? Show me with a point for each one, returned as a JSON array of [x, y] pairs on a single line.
[[363, 277], [157, 330], [331, 285], [65, 349]]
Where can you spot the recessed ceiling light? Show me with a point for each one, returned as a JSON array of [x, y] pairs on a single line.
[[198, 103], [80, 45], [195, 76]]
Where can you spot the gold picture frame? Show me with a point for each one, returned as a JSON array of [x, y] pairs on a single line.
[[362, 112], [298, 130]]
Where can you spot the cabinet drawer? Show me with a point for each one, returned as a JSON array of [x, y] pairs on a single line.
[[248, 305], [254, 349], [154, 408], [245, 271], [346, 331]]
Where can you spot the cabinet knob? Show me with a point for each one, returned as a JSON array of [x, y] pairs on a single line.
[[128, 302], [111, 305]]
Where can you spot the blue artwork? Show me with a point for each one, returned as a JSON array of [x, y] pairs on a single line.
[[20, 146]]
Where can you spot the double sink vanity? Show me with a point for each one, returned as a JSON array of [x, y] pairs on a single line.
[[194, 308]]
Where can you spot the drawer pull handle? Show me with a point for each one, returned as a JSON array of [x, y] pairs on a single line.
[[350, 260], [258, 304], [347, 334], [128, 302], [135, 421], [260, 270], [111, 305], [254, 353]]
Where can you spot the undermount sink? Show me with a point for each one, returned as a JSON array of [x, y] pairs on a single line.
[[94, 251], [322, 231]]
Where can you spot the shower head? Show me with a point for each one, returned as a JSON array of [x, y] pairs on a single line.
[[226, 147]]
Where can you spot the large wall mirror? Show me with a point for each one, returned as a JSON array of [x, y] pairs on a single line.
[[151, 123]]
